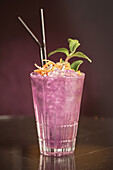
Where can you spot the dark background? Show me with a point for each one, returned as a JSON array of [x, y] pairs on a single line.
[[91, 22]]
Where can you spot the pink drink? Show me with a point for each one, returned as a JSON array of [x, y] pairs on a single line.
[[57, 106]]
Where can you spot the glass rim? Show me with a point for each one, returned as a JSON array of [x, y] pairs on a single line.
[[55, 77]]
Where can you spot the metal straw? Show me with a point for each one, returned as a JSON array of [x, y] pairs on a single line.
[[43, 36], [41, 51]]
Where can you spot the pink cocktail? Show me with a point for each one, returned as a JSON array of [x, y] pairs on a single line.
[[57, 90], [57, 107]]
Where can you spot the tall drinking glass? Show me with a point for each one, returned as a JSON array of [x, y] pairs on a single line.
[[57, 107]]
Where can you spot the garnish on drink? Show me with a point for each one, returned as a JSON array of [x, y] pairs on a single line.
[[50, 66]]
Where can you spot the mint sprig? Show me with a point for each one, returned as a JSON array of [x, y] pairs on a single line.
[[62, 50], [76, 64], [73, 45], [81, 55]]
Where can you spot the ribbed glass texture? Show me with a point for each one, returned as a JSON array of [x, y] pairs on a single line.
[[57, 106]]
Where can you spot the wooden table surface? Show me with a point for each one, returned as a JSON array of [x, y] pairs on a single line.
[[19, 148]]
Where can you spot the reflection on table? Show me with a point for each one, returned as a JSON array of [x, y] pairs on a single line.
[[57, 163]]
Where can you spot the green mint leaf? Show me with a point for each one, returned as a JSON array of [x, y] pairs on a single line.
[[76, 64], [73, 45], [62, 50], [80, 54]]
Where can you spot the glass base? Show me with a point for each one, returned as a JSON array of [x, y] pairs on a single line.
[[50, 148]]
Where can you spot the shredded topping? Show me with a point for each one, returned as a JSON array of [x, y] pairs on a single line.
[[50, 66]]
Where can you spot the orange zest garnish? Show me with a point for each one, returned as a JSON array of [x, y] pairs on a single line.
[[60, 60], [37, 66], [50, 66], [79, 73]]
